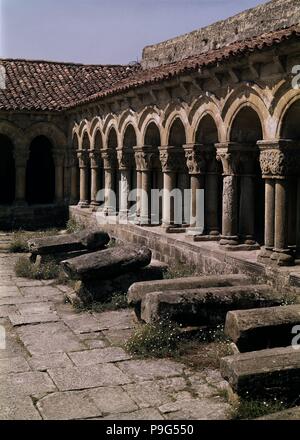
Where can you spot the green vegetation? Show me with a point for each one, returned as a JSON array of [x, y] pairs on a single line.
[[46, 271], [181, 271], [117, 302], [248, 409], [19, 242], [74, 225]]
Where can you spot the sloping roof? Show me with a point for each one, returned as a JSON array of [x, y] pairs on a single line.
[[41, 85], [168, 71]]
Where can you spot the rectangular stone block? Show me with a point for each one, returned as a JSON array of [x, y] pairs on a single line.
[[257, 329], [264, 373]]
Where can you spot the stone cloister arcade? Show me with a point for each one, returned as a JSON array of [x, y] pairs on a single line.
[[245, 157]]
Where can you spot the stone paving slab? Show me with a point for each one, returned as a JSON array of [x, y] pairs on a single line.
[[99, 356], [112, 400], [117, 320], [47, 361], [9, 291], [194, 409], [49, 338], [82, 323], [14, 407], [118, 337], [6, 310], [70, 405], [143, 370], [29, 383], [143, 414], [78, 378], [17, 319], [13, 365], [41, 291]]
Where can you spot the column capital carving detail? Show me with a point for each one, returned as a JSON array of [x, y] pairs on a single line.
[[196, 160], [83, 157], [109, 159], [125, 159], [279, 159], [95, 157], [145, 157], [171, 158]]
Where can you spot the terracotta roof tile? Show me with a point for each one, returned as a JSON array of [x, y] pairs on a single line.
[[42, 85]]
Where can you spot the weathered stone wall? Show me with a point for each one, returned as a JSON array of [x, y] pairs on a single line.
[[268, 17]]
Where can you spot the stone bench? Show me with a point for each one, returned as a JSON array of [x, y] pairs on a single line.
[[264, 373], [204, 306], [262, 328], [139, 290]]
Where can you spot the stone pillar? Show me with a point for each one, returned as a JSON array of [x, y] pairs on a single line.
[[171, 158], [59, 158], [83, 157], [247, 197], [125, 160], [95, 158], [196, 164], [109, 163], [74, 165], [298, 219], [144, 158], [21, 158], [212, 188], [229, 158], [278, 160]]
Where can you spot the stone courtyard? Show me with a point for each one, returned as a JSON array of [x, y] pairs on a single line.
[[61, 364]]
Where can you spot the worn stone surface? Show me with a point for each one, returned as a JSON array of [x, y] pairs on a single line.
[[257, 329], [261, 373], [39, 378], [192, 409], [289, 414], [49, 338]]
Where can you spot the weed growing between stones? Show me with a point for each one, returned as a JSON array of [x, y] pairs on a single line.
[[19, 242], [117, 302], [46, 271], [74, 225], [248, 409]]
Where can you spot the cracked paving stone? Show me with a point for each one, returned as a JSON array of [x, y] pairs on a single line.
[[196, 409], [13, 365], [143, 414], [155, 393], [47, 361], [49, 338], [143, 370], [121, 320], [29, 383], [99, 356], [112, 400], [14, 407], [78, 378], [18, 319], [82, 323], [69, 405]]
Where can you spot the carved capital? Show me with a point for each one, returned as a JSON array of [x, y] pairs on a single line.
[[95, 157], [109, 159], [83, 157], [229, 160], [125, 159], [171, 159], [279, 159], [195, 159], [145, 158]]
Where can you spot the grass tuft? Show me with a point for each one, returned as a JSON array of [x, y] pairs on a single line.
[[46, 271], [74, 225], [117, 302], [19, 241], [248, 409]]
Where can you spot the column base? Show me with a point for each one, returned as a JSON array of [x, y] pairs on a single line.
[[265, 254], [198, 238], [229, 240], [194, 231], [84, 204], [282, 257]]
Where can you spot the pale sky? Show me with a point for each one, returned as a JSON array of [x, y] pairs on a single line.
[[102, 31]]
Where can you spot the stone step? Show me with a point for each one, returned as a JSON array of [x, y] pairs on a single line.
[[264, 373], [287, 414], [204, 306], [257, 329], [138, 291]]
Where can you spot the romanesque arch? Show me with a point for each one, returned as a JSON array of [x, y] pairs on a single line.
[[40, 173]]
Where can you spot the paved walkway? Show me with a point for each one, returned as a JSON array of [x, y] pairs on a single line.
[[59, 364]]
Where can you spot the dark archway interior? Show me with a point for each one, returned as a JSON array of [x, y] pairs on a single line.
[[177, 136], [7, 171], [40, 175], [152, 135], [98, 146], [291, 124], [112, 143], [247, 129]]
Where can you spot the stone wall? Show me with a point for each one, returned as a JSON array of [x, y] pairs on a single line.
[[270, 16]]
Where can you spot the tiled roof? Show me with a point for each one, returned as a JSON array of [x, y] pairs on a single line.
[[193, 63], [41, 85]]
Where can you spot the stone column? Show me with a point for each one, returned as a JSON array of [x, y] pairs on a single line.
[[83, 157], [196, 164], [212, 188], [74, 179], [21, 158], [95, 158], [247, 197], [170, 158], [125, 161], [59, 157], [278, 161], [229, 158], [109, 162], [144, 157]]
